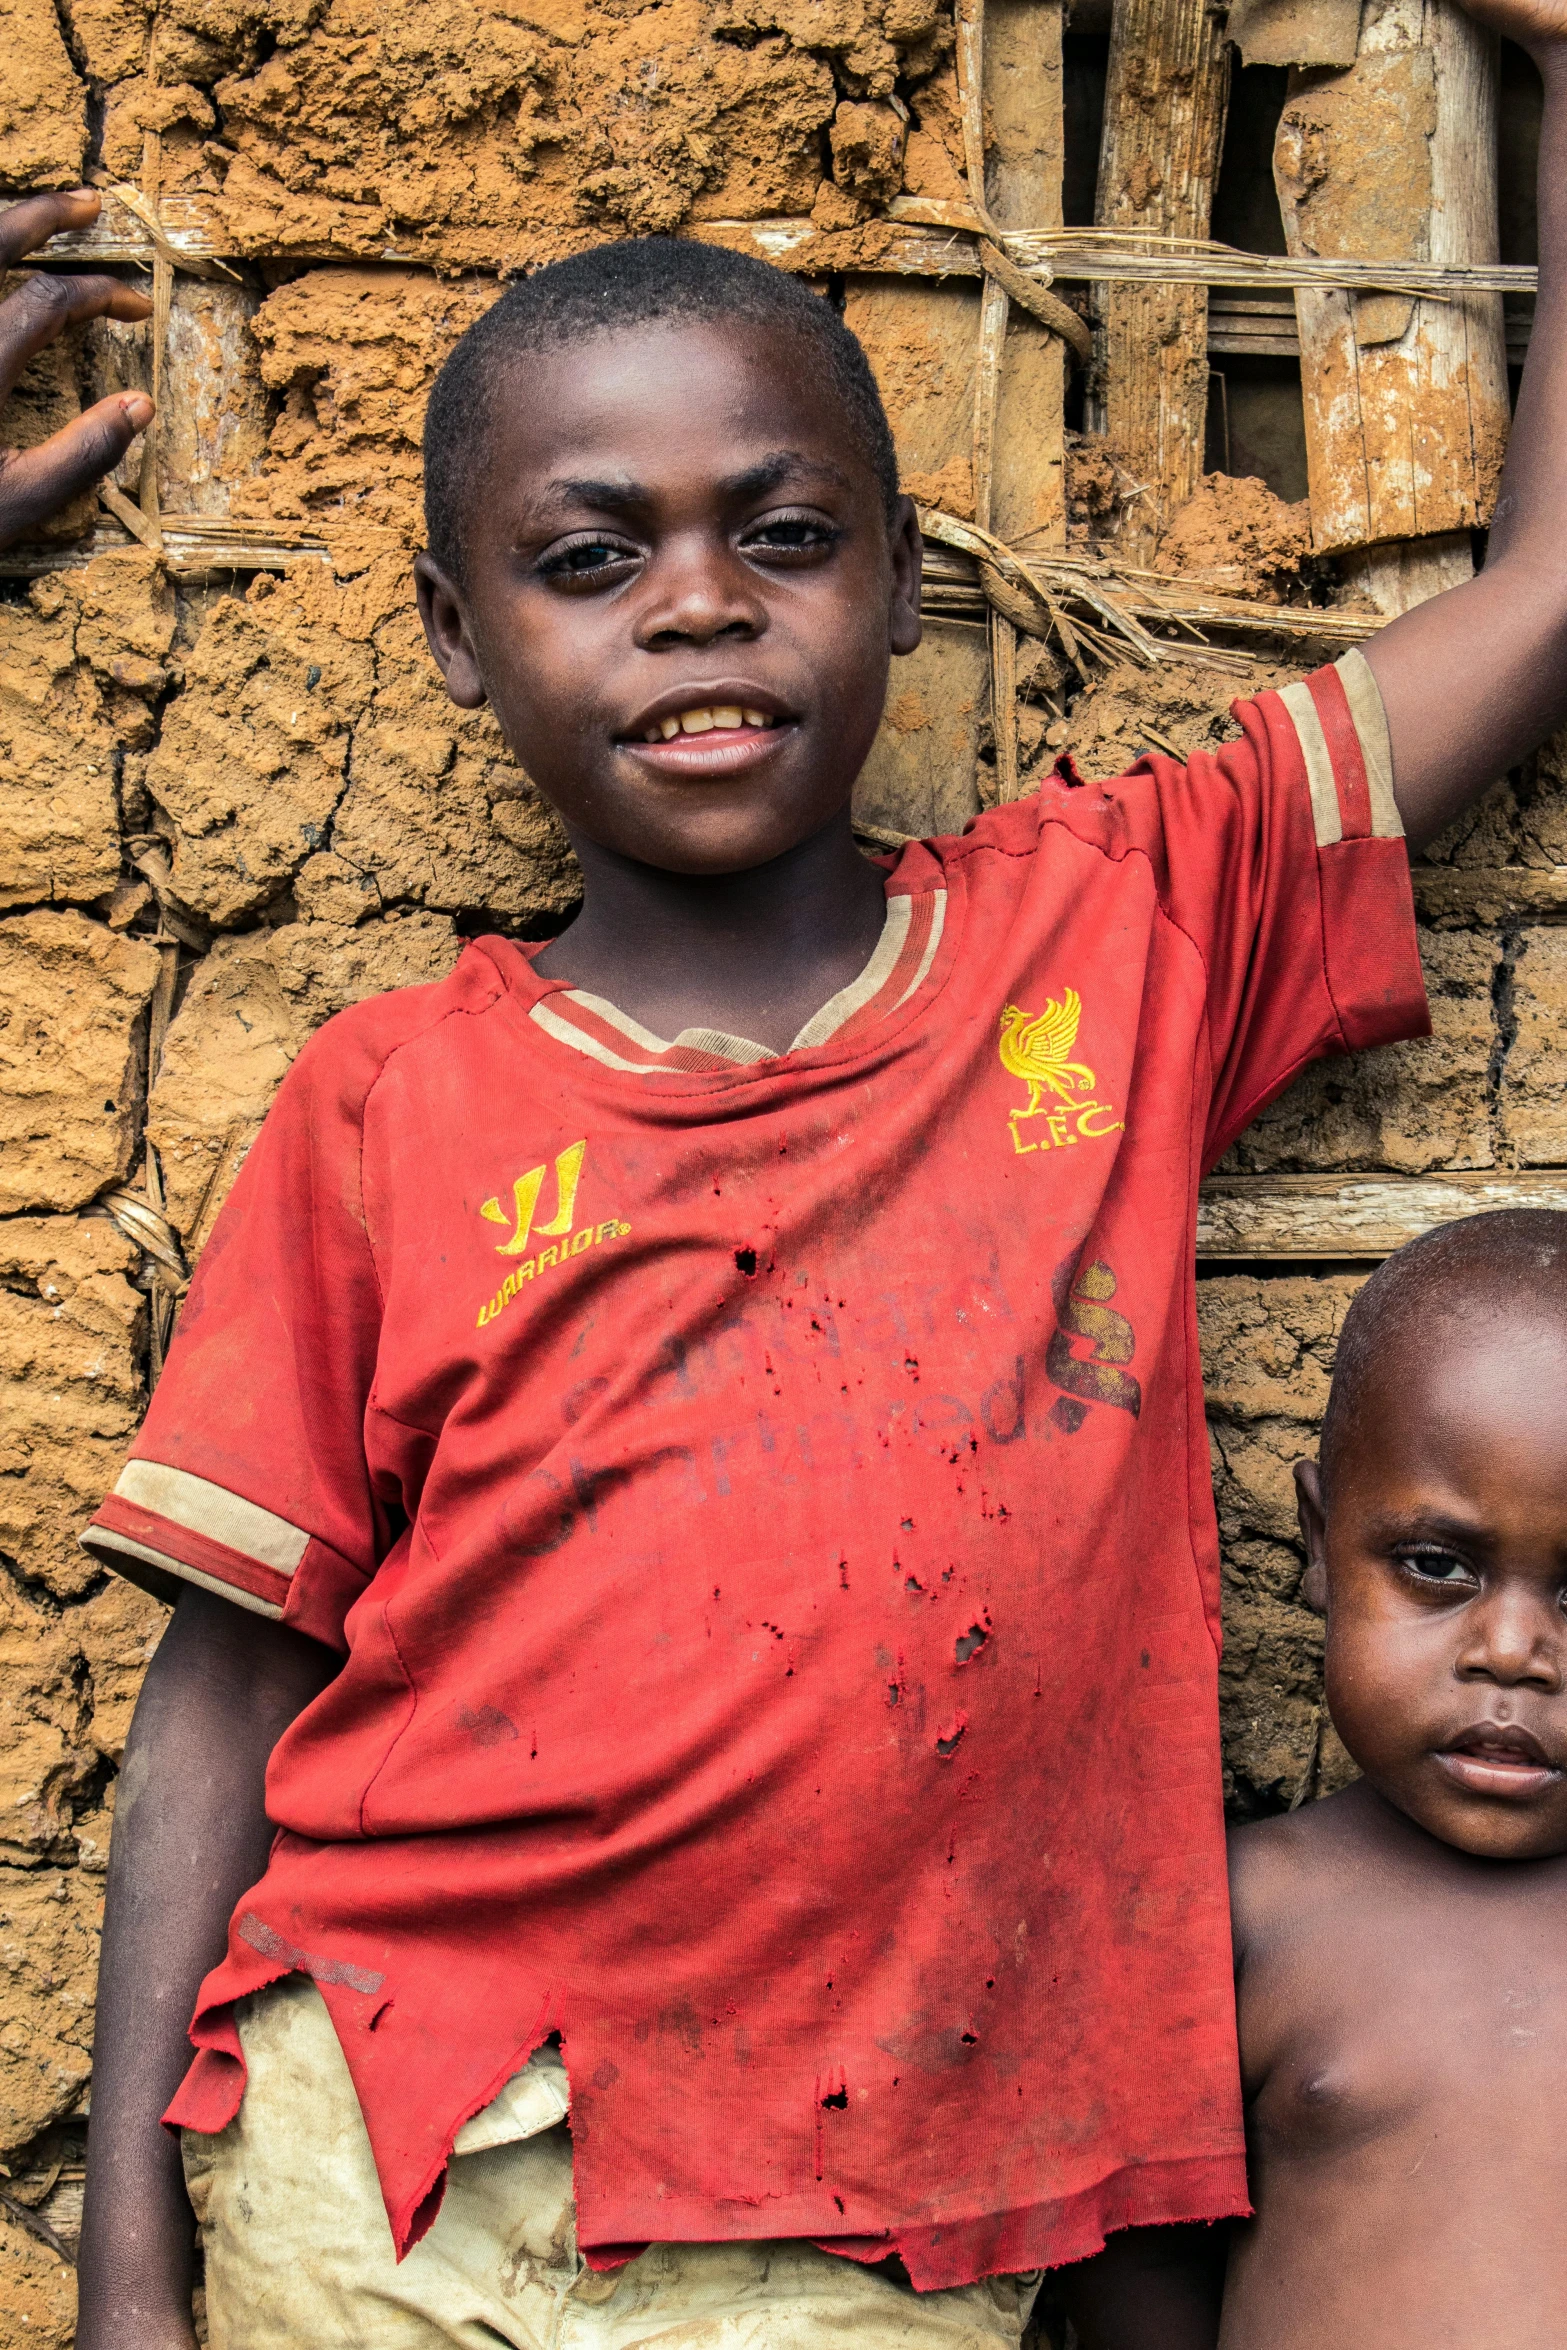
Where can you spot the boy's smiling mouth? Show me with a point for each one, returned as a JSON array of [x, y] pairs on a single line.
[[719, 720], [1499, 1759], [714, 730]]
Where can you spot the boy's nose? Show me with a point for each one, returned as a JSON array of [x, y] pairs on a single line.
[[1514, 1637], [695, 595]]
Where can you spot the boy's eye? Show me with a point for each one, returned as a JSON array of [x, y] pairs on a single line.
[[1437, 1566], [584, 560]]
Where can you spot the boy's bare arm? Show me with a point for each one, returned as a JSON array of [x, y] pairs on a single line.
[[1150, 2289], [1475, 679], [190, 1834]]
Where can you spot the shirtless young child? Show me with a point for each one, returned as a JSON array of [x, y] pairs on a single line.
[[1401, 1948]]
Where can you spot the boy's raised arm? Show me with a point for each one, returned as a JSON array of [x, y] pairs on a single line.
[[190, 1834], [1473, 680]]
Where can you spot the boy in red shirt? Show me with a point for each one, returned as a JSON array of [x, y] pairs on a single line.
[[683, 1467]]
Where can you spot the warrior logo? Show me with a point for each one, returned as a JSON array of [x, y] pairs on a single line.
[[565, 1242], [525, 1198]]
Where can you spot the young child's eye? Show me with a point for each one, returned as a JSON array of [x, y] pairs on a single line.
[[1437, 1566]]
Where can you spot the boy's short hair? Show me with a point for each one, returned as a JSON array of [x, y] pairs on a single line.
[[1490, 1260], [635, 282]]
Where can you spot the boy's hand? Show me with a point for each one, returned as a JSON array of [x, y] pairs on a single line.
[[1533, 24], [36, 483]]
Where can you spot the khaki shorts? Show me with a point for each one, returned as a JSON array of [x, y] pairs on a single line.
[[299, 2254]]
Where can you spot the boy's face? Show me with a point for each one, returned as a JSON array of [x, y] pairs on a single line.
[[677, 523], [1445, 1554]]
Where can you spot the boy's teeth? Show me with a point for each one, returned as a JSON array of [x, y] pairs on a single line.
[[703, 721]]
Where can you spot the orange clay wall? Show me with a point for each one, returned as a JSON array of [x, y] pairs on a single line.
[[232, 777]]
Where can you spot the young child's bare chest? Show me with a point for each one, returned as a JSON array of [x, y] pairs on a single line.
[[1406, 2063], [1392, 2033]]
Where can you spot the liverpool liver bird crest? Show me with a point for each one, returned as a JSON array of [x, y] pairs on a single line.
[[1037, 1049]]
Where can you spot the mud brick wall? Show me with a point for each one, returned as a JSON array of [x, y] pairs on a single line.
[[233, 798]]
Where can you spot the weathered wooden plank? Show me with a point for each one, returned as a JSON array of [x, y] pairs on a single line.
[[1022, 370], [1158, 159], [1490, 893], [921, 775], [974, 392], [1263, 325], [921, 337], [1025, 153], [1295, 32], [213, 423], [1406, 401], [1303, 1217]]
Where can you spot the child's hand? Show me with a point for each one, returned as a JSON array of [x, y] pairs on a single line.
[[35, 483], [1533, 24]]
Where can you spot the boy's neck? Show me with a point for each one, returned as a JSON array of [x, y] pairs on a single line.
[[754, 954]]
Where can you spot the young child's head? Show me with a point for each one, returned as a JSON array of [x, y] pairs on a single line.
[[666, 544], [1436, 1531]]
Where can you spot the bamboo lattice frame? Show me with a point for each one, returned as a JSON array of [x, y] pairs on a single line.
[[1087, 606]]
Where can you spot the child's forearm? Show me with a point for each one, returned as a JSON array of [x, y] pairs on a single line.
[[1532, 506], [1473, 680], [190, 1835], [1150, 2289]]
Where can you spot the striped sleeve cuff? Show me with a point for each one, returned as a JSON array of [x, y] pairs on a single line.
[[1369, 943], [1342, 729], [161, 1527]]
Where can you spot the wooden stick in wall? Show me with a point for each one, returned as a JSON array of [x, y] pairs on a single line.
[[1023, 104], [1019, 426], [1158, 161]]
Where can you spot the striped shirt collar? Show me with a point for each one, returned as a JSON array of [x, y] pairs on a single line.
[[903, 956]]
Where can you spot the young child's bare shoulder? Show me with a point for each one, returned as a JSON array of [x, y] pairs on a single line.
[[1284, 1870]]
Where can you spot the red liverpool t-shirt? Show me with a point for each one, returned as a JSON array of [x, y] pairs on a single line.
[[762, 1504]]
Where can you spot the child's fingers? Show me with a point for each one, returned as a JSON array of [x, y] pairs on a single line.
[[43, 306], [26, 226], [36, 483]]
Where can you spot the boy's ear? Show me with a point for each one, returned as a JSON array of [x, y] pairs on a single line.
[[446, 633], [1314, 1533], [908, 549]]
